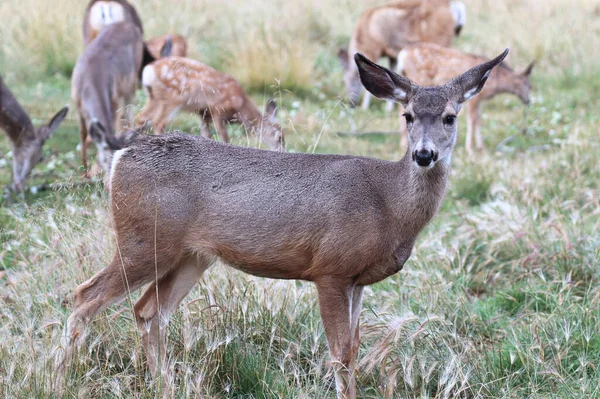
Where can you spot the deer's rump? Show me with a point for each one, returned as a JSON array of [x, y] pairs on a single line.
[[270, 214]]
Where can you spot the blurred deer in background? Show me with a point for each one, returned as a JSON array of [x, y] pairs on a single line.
[[428, 64], [177, 83], [343, 222], [101, 13], [105, 79], [27, 140], [385, 30]]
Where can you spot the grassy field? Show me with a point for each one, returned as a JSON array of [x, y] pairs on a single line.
[[499, 299]]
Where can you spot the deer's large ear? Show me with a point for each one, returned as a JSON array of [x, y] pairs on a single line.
[[381, 82], [529, 68], [53, 124], [471, 82], [167, 48]]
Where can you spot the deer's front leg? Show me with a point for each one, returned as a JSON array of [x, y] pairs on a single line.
[[335, 302]]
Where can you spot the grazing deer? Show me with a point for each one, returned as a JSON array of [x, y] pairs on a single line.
[[175, 83], [157, 44], [385, 30], [342, 222], [101, 13], [27, 141], [429, 64], [105, 79]]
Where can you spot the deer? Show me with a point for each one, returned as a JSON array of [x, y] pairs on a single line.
[[430, 64], [105, 78], [176, 83], [101, 13], [342, 222], [27, 140], [178, 45], [385, 30]]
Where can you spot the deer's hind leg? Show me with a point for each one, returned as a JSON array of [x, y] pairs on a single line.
[[158, 303], [125, 274]]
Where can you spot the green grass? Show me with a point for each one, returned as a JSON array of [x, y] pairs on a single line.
[[498, 300]]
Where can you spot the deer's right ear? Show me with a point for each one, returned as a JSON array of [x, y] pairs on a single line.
[[55, 122], [467, 85], [381, 82]]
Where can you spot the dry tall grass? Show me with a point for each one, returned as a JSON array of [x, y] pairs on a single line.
[[280, 43]]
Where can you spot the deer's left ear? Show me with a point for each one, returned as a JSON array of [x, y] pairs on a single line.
[[529, 68], [381, 82], [470, 83]]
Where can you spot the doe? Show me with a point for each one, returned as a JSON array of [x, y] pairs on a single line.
[[342, 222]]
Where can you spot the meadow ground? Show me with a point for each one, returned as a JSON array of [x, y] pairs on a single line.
[[499, 299]]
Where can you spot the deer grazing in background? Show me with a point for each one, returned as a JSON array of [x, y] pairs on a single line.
[[27, 141], [428, 64], [101, 13], [175, 83], [343, 222], [105, 78], [178, 45], [385, 30]]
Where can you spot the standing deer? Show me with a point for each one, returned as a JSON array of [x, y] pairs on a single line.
[[429, 64], [342, 222], [27, 141], [385, 30], [175, 83], [105, 79], [101, 13], [157, 44]]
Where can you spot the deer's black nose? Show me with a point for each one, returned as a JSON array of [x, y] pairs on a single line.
[[424, 157]]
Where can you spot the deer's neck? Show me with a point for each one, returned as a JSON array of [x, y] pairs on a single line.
[[15, 121], [504, 83], [419, 193]]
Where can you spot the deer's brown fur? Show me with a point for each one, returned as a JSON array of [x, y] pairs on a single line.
[[27, 140], [342, 222], [385, 30], [428, 64], [177, 83]]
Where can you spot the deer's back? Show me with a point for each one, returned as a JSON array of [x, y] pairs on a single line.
[[385, 30], [268, 213], [110, 62], [196, 86]]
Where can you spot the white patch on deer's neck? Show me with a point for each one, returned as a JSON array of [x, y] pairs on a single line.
[[117, 155]]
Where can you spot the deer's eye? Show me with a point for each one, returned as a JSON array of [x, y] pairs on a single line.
[[449, 120], [409, 118]]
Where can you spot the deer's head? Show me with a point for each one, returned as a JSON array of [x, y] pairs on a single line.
[[28, 152], [269, 130], [430, 112]]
